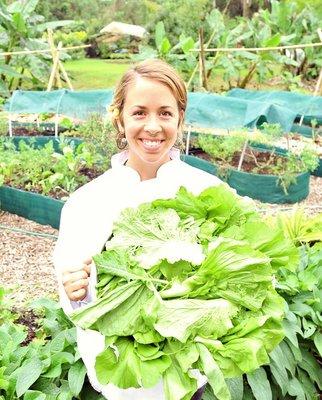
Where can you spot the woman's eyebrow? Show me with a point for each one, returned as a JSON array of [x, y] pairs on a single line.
[[138, 105], [144, 107]]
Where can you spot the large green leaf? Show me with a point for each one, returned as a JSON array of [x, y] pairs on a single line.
[[272, 41], [34, 395], [27, 374], [88, 315], [125, 367], [54, 25], [7, 70], [181, 319], [159, 34], [19, 22], [76, 376], [178, 385], [214, 374], [318, 342], [296, 389], [260, 385]]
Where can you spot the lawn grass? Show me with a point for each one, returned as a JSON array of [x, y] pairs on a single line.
[[92, 73]]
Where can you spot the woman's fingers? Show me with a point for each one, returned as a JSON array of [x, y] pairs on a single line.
[[78, 295], [87, 267], [75, 281], [74, 276]]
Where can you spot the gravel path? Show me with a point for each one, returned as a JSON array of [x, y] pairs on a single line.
[[25, 260]]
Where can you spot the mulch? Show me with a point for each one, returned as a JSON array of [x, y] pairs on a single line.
[[26, 266]]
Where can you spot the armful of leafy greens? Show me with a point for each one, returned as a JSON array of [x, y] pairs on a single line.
[[187, 283]]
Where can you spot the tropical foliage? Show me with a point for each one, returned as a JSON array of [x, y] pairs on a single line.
[[22, 29]]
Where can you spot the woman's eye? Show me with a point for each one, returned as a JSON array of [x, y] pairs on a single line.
[[166, 114], [138, 113]]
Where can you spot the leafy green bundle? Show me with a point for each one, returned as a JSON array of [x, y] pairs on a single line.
[[188, 283]]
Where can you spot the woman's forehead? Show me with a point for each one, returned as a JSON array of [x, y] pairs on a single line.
[[143, 91]]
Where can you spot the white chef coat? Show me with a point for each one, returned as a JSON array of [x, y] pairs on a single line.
[[86, 224]]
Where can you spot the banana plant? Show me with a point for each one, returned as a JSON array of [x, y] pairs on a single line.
[[179, 55], [22, 29]]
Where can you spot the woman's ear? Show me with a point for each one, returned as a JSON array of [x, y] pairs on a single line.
[[119, 125], [181, 118]]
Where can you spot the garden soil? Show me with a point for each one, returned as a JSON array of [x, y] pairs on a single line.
[[25, 261]]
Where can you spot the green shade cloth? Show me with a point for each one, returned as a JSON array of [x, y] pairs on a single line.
[[215, 111], [204, 110], [304, 105], [75, 104]]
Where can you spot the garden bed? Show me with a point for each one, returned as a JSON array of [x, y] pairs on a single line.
[[257, 177]]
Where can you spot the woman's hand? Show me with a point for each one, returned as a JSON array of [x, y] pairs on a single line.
[[76, 280]]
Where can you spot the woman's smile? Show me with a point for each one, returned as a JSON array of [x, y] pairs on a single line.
[[151, 145]]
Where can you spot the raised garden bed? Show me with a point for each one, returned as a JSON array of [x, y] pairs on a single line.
[[33, 206], [37, 179], [264, 187]]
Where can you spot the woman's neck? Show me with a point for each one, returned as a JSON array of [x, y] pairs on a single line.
[[144, 169]]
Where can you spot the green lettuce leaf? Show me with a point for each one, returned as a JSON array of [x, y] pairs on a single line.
[[183, 319], [129, 366]]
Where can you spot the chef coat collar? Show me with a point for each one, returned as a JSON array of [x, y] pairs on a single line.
[[118, 162]]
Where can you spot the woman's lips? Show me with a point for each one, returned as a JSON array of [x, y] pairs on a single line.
[[149, 144]]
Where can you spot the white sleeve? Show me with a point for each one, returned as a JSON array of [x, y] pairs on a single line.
[[73, 247]]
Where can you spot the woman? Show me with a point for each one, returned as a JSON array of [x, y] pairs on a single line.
[[148, 112]]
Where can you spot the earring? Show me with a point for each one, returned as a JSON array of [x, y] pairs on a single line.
[[121, 140], [179, 142]]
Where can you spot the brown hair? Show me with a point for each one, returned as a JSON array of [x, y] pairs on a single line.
[[151, 69]]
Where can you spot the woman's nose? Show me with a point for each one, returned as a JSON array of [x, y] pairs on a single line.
[[152, 126]]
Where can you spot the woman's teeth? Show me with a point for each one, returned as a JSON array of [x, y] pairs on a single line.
[[151, 143]]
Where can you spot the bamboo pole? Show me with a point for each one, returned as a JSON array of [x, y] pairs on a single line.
[[57, 64], [319, 81], [232, 49], [202, 60], [55, 55], [62, 68], [196, 67], [52, 74], [188, 139], [42, 51], [318, 86], [241, 159]]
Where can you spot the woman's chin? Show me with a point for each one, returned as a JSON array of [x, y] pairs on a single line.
[[152, 155]]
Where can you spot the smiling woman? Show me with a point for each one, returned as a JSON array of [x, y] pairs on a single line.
[[150, 102], [148, 112], [151, 127]]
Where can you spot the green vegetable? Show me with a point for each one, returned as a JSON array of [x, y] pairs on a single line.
[[184, 284]]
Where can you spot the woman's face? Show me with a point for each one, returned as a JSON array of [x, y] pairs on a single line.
[[150, 121]]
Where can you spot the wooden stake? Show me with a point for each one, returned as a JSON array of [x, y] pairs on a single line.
[[188, 140], [57, 65], [318, 86], [13, 53], [242, 155], [55, 59], [202, 60], [57, 76], [62, 68]]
